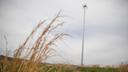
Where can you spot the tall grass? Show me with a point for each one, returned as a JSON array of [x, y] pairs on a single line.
[[123, 68], [37, 47]]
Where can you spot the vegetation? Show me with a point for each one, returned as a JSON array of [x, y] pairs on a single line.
[[43, 67], [73, 68], [38, 46]]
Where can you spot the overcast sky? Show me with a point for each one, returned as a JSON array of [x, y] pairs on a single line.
[[106, 27]]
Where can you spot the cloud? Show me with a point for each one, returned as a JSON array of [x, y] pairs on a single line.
[[106, 26]]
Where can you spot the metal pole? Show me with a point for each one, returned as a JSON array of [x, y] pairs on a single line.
[[83, 37]]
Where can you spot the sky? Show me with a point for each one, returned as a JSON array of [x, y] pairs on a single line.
[[106, 28]]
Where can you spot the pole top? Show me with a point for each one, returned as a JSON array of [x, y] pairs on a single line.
[[84, 6]]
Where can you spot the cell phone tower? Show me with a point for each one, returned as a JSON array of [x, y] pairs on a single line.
[[83, 34]]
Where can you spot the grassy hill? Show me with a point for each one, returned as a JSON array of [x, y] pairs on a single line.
[[54, 67]]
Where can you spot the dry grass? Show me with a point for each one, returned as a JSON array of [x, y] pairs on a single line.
[[37, 47], [123, 68]]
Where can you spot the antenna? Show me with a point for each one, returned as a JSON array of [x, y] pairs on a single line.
[[83, 36]]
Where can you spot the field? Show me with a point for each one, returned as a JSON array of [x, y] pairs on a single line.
[[5, 66], [71, 68]]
